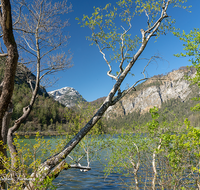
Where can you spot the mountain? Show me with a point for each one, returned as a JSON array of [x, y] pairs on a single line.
[[156, 91], [67, 96], [24, 75], [47, 115], [171, 93]]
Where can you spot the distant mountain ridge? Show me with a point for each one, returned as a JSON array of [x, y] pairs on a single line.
[[171, 91], [67, 96], [156, 91], [153, 92]]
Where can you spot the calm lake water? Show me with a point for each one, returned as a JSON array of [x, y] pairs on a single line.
[[96, 179], [93, 179]]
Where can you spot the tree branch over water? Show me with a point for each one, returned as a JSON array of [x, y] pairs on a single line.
[[99, 25]]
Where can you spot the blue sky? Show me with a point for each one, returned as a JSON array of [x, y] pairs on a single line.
[[88, 75]]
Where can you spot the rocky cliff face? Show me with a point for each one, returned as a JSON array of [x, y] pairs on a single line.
[[67, 96], [154, 92]]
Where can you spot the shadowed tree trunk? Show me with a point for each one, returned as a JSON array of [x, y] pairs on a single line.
[[7, 85]]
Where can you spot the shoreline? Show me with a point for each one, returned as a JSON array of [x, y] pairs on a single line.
[[42, 133]]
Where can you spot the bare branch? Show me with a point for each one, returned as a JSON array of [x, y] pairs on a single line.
[[52, 49], [147, 17], [24, 31], [104, 57], [18, 19], [82, 168], [27, 50], [29, 44], [4, 55], [157, 23], [125, 92], [122, 47], [30, 83]]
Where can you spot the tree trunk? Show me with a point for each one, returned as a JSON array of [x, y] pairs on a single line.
[[12, 58], [11, 64]]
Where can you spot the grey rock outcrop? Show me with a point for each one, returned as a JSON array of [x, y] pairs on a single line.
[[154, 92]]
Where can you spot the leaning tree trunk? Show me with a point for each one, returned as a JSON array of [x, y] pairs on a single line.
[[54, 161]]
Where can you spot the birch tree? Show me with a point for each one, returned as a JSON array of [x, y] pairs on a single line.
[[105, 36], [123, 48]]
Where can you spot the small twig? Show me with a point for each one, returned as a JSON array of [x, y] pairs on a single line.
[[122, 48], [150, 60], [125, 92], [157, 23], [29, 44], [18, 19], [147, 17]]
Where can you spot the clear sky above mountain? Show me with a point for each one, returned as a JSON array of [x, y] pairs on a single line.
[[88, 75]]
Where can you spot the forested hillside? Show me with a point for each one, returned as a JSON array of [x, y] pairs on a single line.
[[47, 114]]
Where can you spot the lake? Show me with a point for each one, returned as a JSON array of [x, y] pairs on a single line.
[[96, 179], [93, 179]]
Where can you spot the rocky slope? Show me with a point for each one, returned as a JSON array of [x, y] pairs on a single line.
[[156, 91], [67, 96], [24, 75]]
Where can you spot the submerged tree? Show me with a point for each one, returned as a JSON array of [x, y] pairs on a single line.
[[123, 48]]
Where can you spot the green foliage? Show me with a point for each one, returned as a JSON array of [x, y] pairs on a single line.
[[105, 31], [166, 153], [111, 26], [191, 44], [173, 110], [154, 124], [31, 153]]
